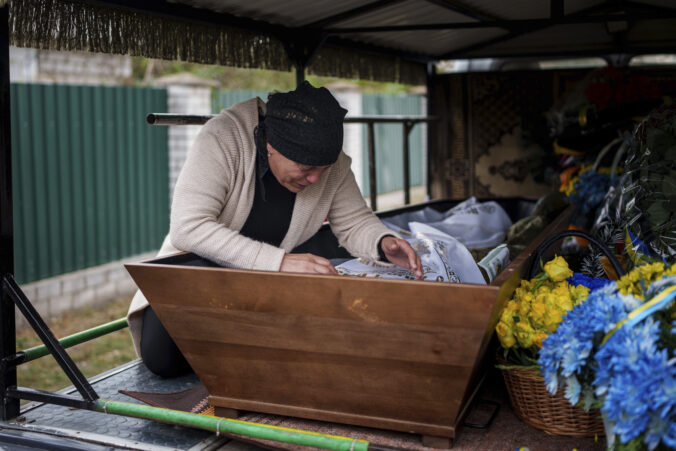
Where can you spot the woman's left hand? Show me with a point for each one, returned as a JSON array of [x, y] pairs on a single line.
[[401, 253]]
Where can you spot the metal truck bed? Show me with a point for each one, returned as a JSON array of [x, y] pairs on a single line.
[[66, 428], [48, 426]]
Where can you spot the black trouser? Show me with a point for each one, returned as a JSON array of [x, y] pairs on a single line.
[[158, 350]]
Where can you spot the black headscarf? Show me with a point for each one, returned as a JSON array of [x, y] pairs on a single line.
[[305, 125]]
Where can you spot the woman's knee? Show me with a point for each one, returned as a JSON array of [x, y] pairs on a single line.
[[158, 350]]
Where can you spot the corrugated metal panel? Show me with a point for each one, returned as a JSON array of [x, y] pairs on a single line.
[[574, 37], [433, 41], [441, 44], [389, 143], [406, 13], [91, 178], [513, 9], [292, 13]]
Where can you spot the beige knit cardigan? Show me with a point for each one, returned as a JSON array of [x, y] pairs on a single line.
[[214, 194]]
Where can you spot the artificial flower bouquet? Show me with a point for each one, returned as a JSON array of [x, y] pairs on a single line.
[[617, 351], [535, 311]]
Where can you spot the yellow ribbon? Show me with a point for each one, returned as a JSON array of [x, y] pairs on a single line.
[[565, 151], [656, 300]]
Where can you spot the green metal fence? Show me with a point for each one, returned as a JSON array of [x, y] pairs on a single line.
[[226, 99], [389, 143], [90, 177]]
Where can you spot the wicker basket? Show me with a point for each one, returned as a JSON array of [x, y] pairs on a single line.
[[534, 405]]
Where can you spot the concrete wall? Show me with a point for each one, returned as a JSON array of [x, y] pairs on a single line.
[[89, 287], [349, 97], [49, 66], [184, 100]]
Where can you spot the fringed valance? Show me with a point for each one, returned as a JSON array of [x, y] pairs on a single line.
[[77, 25], [82, 26], [346, 63]]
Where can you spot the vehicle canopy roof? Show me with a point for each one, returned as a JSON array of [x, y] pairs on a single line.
[[387, 40]]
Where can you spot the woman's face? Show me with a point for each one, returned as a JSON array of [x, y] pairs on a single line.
[[291, 175]]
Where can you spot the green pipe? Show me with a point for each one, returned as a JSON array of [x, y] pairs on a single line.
[[76, 339], [225, 425]]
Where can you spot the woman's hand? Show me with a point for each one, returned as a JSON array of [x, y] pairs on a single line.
[[307, 263], [401, 253]]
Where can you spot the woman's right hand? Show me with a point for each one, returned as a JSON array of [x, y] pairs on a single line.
[[307, 263]]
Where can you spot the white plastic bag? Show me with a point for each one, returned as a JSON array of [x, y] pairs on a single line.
[[476, 225], [400, 221]]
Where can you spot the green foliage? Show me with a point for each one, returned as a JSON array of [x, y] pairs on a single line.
[[93, 357], [144, 70]]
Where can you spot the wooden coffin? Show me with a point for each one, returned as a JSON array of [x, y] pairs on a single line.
[[391, 354]]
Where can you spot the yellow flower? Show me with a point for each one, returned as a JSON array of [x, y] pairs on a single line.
[[527, 285], [550, 300], [538, 309], [505, 335], [543, 289], [564, 303], [579, 293], [557, 269], [511, 307], [671, 271], [524, 308], [642, 276], [538, 338], [519, 292], [553, 319], [524, 334], [561, 290], [538, 314], [507, 317]]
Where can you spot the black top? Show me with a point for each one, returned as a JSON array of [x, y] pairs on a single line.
[[272, 208]]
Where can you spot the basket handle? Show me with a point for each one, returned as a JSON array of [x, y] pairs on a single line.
[[551, 240]]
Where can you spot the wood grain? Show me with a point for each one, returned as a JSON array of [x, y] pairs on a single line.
[[402, 355]]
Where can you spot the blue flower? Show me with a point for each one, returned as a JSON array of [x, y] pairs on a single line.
[[568, 350], [669, 437], [592, 283], [639, 383], [573, 389], [632, 373]]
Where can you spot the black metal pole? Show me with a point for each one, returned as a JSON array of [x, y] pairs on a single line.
[[9, 407], [406, 126], [13, 291], [196, 119], [431, 74], [372, 167], [300, 74]]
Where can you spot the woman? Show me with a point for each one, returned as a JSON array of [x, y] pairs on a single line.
[[259, 181]]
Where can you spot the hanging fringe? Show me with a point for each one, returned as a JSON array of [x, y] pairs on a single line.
[[344, 63], [73, 25]]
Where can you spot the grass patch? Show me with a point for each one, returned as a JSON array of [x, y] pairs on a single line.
[[93, 357]]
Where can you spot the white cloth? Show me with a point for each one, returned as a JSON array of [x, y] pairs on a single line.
[[444, 259]]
